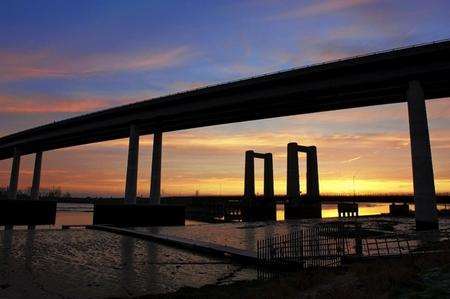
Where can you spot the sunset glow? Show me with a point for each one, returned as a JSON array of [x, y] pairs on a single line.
[[131, 56]]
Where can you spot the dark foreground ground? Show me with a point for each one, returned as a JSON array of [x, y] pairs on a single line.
[[407, 277]]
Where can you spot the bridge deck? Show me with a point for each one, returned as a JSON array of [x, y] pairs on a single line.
[[374, 79]]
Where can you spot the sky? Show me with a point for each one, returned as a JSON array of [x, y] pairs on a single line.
[[60, 59]]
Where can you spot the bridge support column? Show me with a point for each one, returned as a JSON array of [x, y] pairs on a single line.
[[36, 176], [292, 182], [268, 176], [155, 187], [14, 179], [423, 178], [249, 182], [132, 166], [312, 173]]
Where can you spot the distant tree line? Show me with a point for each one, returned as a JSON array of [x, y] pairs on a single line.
[[50, 193]]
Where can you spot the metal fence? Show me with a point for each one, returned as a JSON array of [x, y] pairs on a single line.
[[319, 246], [395, 244], [329, 244]]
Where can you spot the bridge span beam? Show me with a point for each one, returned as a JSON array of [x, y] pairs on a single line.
[[36, 176], [132, 166], [155, 186], [422, 166], [14, 178]]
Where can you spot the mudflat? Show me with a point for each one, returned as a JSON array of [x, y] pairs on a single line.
[[81, 263]]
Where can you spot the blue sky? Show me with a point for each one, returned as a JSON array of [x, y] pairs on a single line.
[[64, 58]]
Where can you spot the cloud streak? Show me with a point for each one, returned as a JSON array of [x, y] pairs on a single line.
[[352, 159], [319, 8], [43, 64], [44, 104]]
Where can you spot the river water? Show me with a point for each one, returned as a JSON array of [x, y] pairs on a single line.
[[82, 214]]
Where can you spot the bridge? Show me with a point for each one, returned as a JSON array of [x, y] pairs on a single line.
[[410, 75]]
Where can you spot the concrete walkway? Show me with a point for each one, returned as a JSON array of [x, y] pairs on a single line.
[[242, 256]]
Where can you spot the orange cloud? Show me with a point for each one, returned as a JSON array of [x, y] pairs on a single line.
[[40, 104], [19, 66]]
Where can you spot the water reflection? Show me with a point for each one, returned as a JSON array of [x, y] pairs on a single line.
[[7, 244], [29, 245], [74, 218], [330, 210], [127, 268], [249, 235], [280, 212], [152, 261]]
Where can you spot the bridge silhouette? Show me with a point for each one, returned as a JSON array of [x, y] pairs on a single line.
[[411, 75]]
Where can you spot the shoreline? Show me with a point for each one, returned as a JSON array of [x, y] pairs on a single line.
[[403, 277], [78, 263]]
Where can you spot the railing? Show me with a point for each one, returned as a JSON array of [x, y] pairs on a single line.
[[319, 246], [330, 244]]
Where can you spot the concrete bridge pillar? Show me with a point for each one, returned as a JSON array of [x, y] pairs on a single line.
[[292, 178], [155, 187], [312, 173], [249, 182], [268, 175], [14, 178], [36, 176], [132, 166], [423, 178], [293, 173]]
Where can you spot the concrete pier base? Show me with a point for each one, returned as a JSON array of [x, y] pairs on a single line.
[[27, 212], [258, 210], [304, 209], [401, 210], [121, 214]]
